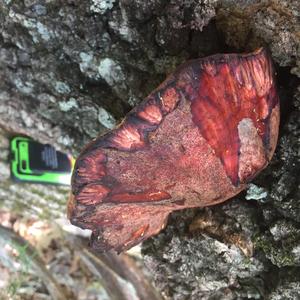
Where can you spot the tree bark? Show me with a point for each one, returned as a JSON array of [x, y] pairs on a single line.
[[71, 70]]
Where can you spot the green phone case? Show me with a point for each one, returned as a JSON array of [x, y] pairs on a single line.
[[35, 162]]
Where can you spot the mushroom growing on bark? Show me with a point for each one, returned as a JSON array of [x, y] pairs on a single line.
[[197, 140]]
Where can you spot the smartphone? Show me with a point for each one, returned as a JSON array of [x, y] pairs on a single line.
[[32, 161]]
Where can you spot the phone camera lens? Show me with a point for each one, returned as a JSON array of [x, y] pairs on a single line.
[[24, 164]]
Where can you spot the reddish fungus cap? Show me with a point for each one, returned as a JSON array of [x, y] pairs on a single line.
[[196, 140]]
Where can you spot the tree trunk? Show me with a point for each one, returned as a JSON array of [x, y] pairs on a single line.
[[70, 70]]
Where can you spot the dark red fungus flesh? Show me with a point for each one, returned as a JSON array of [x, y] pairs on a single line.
[[195, 141]]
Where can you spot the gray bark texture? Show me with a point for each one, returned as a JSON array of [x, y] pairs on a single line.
[[70, 70]]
